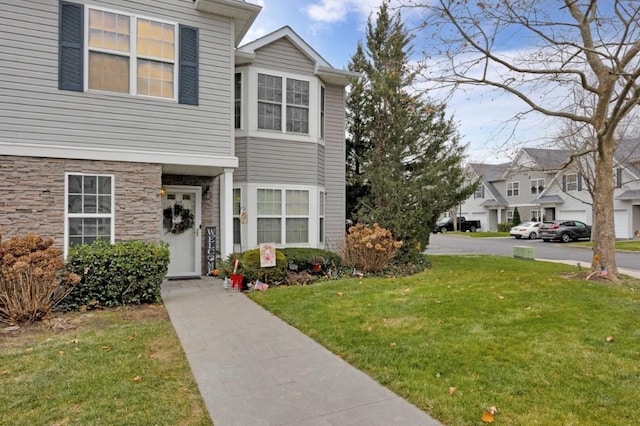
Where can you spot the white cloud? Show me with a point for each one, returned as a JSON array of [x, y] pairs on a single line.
[[329, 11]]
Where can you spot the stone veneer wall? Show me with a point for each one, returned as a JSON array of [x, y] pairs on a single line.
[[210, 213], [32, 196]]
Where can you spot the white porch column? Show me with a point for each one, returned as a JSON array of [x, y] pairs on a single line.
[[226, 213]]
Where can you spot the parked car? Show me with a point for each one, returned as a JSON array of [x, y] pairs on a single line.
[[446, 224], [525, 229], [564, 230]]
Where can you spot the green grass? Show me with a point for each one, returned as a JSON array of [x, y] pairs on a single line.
[[117, 367], [620, 245], [504, 332]]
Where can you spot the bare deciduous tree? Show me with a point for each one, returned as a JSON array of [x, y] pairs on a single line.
[[581, 63]]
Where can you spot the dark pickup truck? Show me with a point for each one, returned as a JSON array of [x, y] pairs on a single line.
[[446, 224]]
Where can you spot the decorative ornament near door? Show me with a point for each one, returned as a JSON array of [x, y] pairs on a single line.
[[177, 219]]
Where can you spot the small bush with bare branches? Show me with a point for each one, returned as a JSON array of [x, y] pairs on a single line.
[[368, 248], [32, 279]]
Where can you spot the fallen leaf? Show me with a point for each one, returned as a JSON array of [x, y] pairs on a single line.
[[133, 336], [137, 379], [29, 350], [4, 372], [392, 344], [452, 390], [610, 339], [152, 355], [500, 297], [106, 348], [339, 294], [369, 329], [74, 341], [61, 353], [487, 417]]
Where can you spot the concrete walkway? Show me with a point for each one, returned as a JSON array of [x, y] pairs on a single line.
[[254, 369]]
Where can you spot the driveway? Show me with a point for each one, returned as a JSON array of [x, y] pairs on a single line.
[[458, 244]]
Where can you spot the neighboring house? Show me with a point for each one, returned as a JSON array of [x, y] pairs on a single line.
[[143, 120], [541, 184]]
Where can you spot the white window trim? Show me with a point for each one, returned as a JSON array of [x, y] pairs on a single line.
[[132, 54], [250, 126], [515, 188], [531, 213], [322, 222], [322, 124], [68, 215], [538, 183], [233, 95], [574, 183]]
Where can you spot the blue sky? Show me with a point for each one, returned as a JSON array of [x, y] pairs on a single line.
[[334, 27]]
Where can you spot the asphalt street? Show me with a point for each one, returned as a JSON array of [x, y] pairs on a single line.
[[459, 244]]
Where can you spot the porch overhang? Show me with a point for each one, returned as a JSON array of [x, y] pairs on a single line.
[[630, 195], [492, 203], [549, 199]]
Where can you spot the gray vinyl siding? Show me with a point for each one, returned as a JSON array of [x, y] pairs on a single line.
[[273, 161], [321, 165], [34, 111], [335, 166], [240, 174], [284, 56]]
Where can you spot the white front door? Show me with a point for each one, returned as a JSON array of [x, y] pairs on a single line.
[[181, 229]]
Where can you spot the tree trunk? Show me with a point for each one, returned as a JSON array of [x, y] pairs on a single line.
[[604, 258]]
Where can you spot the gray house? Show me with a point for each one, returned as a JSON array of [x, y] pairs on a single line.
[[142, 119]]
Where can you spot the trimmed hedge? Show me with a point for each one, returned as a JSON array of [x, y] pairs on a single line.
[[505, 226], [124, 273]]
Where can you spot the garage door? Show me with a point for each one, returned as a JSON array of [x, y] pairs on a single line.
[[580, 215], [621, 220]]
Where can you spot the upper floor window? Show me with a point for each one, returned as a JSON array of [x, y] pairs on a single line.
[[537, 186], [479, 192], [237, 202], [237, 88], [109, 51], [128, 54], [513, 189], [271, 100], [571, 182]]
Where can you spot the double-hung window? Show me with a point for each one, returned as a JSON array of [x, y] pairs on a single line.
[[537, 186], [513, 189], [479, 192], [272, 98], [283, 216], [321, 214], [111, 51], [323, 95], [536, 216], [237, 89], [571, 182], [237, 203], [129, 54], [90, 201]]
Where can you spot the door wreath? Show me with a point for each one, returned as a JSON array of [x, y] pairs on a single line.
[[177, 219]]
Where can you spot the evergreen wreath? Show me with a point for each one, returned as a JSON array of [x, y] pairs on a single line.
[[177, 219]]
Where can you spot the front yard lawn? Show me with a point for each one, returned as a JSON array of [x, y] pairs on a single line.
[[620, 245], [114, 367], [481, 331]]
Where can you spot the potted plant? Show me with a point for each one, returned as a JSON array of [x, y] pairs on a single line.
[[315, 263]]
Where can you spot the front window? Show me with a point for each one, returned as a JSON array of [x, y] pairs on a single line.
[[322, 116], [272, 97], [571, 182], [509, 215], [238, 100], [283, 216], [237, 202], [112, 49], [513, 189], [321, 214], [536, 216], [89, 208], [537, 186]]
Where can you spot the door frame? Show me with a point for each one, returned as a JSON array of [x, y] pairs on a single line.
[[197, 225]]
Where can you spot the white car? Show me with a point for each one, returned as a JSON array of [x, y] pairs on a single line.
[[525, 229]]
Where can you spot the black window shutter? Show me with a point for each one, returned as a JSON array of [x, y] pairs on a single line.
[[564, 183], [579, 181], [188, 66], [70, 47], [619, 177]]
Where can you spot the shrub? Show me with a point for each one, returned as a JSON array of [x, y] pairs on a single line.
[[32, 279], [252, 271], [124, 273], [300, 256], [369, 248], [505, 226]]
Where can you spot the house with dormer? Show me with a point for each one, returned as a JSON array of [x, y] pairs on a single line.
[[147, 120], [545, 184]]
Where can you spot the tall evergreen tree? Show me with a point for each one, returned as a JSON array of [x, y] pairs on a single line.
[[413, 162], [358, 143]]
